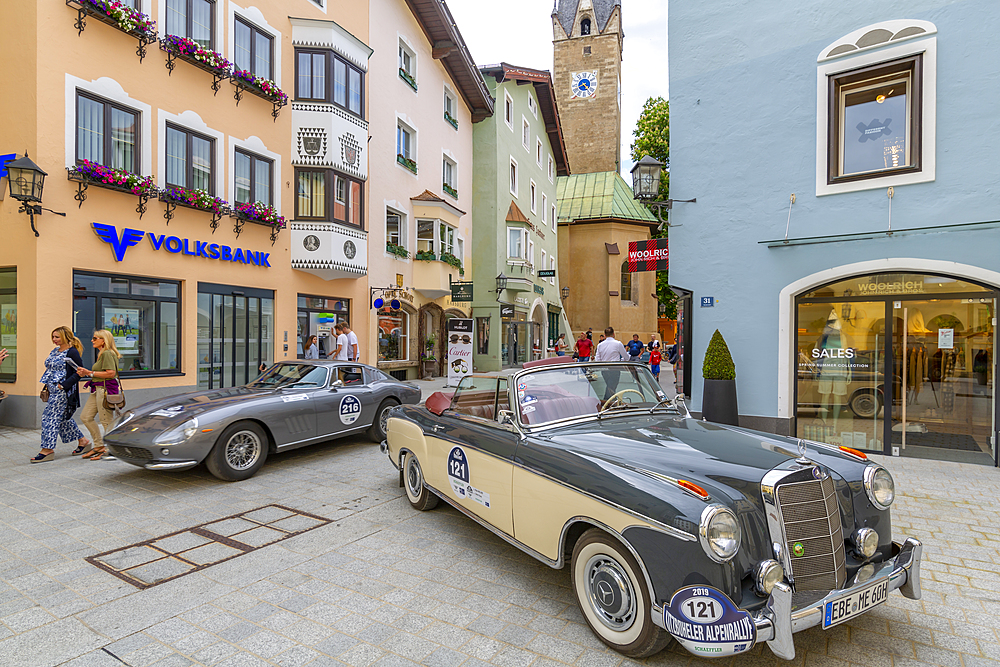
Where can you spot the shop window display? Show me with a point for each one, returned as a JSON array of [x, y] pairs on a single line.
[[8, 323], [393, 328]]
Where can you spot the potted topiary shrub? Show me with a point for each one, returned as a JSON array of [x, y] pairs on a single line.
[[719, 397]]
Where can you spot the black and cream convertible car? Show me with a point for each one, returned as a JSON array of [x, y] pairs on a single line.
[[716, 536], [292, 404]]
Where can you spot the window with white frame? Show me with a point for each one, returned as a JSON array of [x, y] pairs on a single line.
[[425, 236], [448, 176], [552, 217], [876, 108], [525, 133], [450, 114], [253, 49], [529, 253], [552, 170], [194, 19], [538, 151], [107, 133], [552, 266], [532, 105], [515, 243], [513, 177], [508, 109], [446, 237], [395, 228], [407, 64], [545, 208], [544, 260], [404, 141], [460, 249], [533, 198]]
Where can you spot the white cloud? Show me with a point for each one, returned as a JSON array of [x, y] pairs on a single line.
[[520, 33]]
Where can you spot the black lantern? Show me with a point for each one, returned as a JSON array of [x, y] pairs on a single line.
[[646, 178], [501, 284], [565, 292], [26, 181]]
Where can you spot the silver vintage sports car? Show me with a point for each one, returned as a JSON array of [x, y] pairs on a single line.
[[293, 404]]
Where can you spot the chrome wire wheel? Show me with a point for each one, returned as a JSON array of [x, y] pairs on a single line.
[[242, 450], [383, 417], [610, 593]]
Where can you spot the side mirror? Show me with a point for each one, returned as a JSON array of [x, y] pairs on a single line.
[[336, 384], [505, 418]]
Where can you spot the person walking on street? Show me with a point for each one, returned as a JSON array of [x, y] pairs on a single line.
[[561, 345], [635, 348], [311, 348], [610, 349], [654, 361], [103, 380], [584, 348], [61, 381], [590, 334], [352, 342]]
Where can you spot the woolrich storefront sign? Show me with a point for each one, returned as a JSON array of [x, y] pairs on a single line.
[[651, 255]]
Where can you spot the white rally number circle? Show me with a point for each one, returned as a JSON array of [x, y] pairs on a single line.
[[702, 609], [350, 410]]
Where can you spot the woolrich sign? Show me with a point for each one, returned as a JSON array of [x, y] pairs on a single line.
[[651, 255]]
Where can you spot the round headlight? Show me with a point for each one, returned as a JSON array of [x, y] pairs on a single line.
[[720, 533], [865, 542], [766, 575], [179, 434], [880, 487]]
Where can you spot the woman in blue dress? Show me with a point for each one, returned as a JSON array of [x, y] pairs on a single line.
[[62, 381]]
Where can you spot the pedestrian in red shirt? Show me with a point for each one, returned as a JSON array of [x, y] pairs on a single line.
[[654, 361], [584, 348]]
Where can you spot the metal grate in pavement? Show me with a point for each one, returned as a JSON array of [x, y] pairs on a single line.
[[174, 555]]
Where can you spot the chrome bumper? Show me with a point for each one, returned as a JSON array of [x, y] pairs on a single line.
[[173, 465], [777, 621]]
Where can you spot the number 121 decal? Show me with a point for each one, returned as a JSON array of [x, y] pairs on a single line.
[[706, 622]]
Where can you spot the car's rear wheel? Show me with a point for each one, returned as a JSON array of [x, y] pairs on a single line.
[[239, 452], [413, 481], [865, 403], [379, 426], [612, 595]]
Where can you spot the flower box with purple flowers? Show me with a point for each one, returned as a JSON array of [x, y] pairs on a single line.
[[197, 199], [195, 52], [114, 179], [260, 86], [259, 213], [122, 16]]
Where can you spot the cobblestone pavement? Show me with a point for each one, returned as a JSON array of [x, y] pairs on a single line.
[[386, 586]]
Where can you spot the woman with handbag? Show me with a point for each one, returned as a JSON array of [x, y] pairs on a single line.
[[60, 395], [103, 381]]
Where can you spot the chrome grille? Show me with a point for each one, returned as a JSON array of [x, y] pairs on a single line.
[[811, 517], [131, 453]]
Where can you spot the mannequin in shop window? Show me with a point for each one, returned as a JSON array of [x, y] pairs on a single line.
[[834, 370], [917, 361]]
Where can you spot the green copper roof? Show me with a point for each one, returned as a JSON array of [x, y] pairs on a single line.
[[600, 195]]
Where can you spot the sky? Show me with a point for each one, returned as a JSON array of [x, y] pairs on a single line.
[[520, 33]]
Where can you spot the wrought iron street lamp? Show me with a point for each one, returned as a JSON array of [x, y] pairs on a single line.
[[646, 186], [501, 284], [26, 181], [565, 292]]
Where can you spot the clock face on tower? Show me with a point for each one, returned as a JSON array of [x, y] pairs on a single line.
[[584, 84]]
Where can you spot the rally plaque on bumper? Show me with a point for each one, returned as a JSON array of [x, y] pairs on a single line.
[[857, 603]]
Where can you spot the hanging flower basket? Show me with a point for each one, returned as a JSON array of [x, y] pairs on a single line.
[[407, 162], [259, 214], [211, 61], [397, 250], [260, 86], [449, 258], [114, 179], [117, 15], [196, 199], [450, 191]]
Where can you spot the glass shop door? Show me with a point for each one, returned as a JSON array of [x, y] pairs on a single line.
[[943, 353]]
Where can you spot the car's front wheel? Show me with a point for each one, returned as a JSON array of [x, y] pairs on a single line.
[[239, 452], [413, 481], [612, 595], [866, 403], [379, 427]]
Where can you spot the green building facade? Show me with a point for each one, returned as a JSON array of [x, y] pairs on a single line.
[[518, 153]]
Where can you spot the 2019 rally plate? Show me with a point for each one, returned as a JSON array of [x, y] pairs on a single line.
[[849, 606]]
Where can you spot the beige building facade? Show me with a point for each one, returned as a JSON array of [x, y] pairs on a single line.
[[191, 178]]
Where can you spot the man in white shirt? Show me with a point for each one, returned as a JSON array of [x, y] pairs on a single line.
[[352, 342], [340, 352], [610, 349]]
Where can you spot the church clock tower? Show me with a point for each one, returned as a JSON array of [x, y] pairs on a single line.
[[587, 42]]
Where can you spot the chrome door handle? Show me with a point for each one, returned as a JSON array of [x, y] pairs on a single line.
[[437, 427]]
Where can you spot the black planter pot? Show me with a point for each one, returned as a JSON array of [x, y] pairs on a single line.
[[719, 402]]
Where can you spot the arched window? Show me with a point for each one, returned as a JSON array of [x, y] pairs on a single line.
[[626, 291], [585, 27]]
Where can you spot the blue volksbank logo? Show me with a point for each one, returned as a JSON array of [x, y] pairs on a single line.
[[175, 245]]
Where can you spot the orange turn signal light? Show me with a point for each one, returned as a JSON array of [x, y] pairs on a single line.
[[854, 452], [692, 487], [206, 430]]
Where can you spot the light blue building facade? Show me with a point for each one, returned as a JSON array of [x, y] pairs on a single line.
[[846, 234]]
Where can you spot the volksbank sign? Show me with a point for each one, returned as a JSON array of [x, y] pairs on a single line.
[[177, 246]]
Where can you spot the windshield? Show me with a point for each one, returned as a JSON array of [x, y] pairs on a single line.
[[286, 375], [576, 391]]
